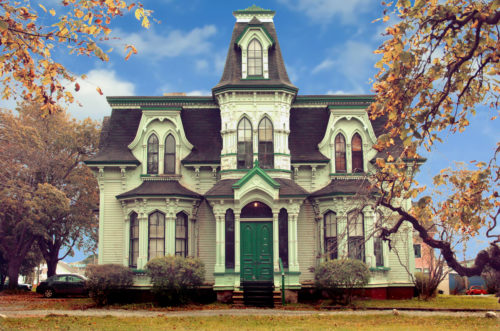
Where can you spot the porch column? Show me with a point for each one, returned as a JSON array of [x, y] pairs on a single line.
[[219, 242], [292, 243], [369, 251], [276, 242], [126, 244], [237, 242], [169, 234], [142, 259]]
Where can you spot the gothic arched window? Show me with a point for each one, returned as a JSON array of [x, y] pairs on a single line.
[[266, 144], [156, 235], [245, 150], [340, 164], [169, 159], [331, 249], [357, 153], [356, 236], [153, 154], [254, 54], [134, 240], [181, 235]]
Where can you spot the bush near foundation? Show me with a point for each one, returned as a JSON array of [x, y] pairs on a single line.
[[173, 277], [107, 282], [340, 277]]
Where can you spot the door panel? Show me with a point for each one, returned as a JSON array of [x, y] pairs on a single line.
[[256, 251]]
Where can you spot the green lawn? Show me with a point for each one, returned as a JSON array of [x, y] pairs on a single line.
[[441, 301], [316, 322]]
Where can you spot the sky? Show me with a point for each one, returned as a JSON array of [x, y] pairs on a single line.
[[327, 46]]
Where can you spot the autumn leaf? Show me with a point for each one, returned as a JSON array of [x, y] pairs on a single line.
[[98, 89], [77, 87]]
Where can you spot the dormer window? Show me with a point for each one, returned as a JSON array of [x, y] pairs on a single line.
[[153, 154], [169, 158], [255, 58], [357, 153]]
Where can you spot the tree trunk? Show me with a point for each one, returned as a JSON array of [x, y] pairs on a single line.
[[51, 266], [13, 271]]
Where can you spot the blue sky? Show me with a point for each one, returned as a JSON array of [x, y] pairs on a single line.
[[327, 46]]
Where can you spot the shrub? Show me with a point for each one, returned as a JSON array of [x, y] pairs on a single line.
[[174, 276], [492, 280], [106, 281], [425, 286], [340, 277]]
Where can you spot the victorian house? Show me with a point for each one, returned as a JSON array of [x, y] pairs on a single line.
[[254, 180]]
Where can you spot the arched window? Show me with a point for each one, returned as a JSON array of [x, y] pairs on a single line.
[[254, 55], [340, 164], [156, 235], [357, 153], [181, 235], [356, 241], [266, 145], [283, 236], [229, 238], [331, 247], [134, 241], [153, 154], [245, 150], [169, 159]]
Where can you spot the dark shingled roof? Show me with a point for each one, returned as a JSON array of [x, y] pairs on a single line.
[[164, 188], [116, 134], [307, 129], [225, 188], [232, 69], [344, 186], [202, 127], [222, 188]]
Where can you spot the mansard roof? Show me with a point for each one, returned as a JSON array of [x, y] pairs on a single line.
[[153, 188], [232, 76], [116, 134], [308, 121], [307, 129]]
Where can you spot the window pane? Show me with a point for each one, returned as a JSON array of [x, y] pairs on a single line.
[[254, 55], [152, 155], [377, 248], [181, 234], [229, 239], [283, 236], [156, 233], [169, 159], [245, 151], [357, 153], [340, 164]]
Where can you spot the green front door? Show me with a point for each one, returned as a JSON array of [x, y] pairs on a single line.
[[256, 251]]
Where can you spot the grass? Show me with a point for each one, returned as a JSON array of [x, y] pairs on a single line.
[[315, 322], [441, 301]]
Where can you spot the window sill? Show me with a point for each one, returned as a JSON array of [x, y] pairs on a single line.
[[255, 78], [380, 269]]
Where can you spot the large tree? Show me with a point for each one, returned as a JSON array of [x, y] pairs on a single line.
[[47, 194], [439, 66], [31, 33]]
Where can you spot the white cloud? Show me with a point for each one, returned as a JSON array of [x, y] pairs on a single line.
[[160, 45], [93, 104], [322, 10], [201, 65], [199, 93], [325, 65]]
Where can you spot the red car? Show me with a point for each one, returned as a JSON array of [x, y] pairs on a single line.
[[473, 290]]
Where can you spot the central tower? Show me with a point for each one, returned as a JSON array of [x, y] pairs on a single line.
[[254, 96]]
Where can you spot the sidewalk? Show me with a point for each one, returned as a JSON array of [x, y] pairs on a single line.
[[223, 312]]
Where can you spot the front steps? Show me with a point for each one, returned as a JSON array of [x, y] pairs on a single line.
[[257, 294]]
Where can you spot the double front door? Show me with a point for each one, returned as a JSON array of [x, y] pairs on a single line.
[[256, 251]]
